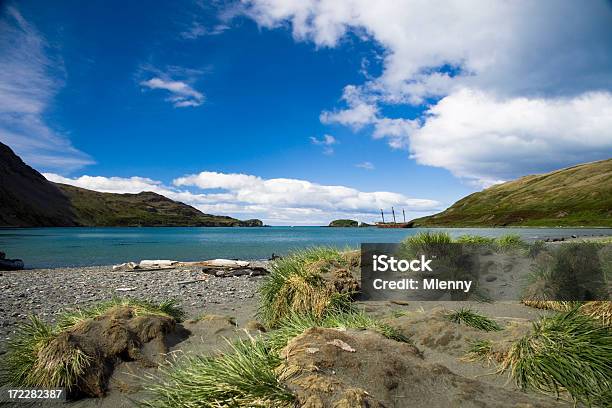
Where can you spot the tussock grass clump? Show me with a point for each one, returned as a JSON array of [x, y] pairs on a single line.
[[36, 356], [428, 242], [296, 323], [470, 318], [570, 273], [429, 238], [296, 284], [510, 242], [167, 308], [22, 354], [246, 376], [566, 352]]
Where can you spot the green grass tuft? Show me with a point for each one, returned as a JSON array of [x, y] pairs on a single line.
[[244, 377], [566, 352], [295, 324], [427, 238], [141, 308], [510, 242], [473, 319], [476, 240], [296, 284], [35, 359], [22, 352]]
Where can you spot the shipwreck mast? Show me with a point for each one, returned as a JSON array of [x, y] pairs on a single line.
[[383, 215], [404, 213], [393, 212]]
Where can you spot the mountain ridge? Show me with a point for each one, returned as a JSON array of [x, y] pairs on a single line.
[[28, 199]]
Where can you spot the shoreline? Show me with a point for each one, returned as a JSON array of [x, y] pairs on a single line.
[[47, 291]]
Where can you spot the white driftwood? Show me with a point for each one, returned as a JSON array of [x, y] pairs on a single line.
[[225, 263], [125, 265], [157, 263]]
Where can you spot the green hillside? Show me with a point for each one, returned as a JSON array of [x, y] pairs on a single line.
[[576, 196], [93, 208], [344, 223]]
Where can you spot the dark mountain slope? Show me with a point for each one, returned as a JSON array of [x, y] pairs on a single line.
[[27, 199]]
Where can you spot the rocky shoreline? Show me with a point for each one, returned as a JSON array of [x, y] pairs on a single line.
[[46, 292]]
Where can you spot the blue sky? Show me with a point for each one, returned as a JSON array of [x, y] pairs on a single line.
[[301, 112]]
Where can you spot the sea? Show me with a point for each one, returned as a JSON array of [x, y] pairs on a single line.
[[65, 247]]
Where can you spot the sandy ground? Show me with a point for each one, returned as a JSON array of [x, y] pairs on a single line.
[[231, 304]]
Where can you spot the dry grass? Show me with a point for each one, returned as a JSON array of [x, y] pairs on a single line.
[[296, 284], [600, 310], [559, 306], [36, 357]]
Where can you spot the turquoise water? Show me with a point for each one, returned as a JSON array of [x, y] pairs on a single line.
[[57, 247]]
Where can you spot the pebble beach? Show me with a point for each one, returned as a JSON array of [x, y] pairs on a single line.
[[46, 292]]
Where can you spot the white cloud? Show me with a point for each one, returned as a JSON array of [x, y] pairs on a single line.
[[365, 165], [29, 80], [276, 201], [480, 137], [327, 141], [181, 94], [197, 30], [546, 54], [358, 114]]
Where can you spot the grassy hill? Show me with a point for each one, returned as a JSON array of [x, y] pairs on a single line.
[[576, 196], [344, 223], [28, 199], [93, 208]]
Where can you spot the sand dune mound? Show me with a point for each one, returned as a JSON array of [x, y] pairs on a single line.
[[334, 368]]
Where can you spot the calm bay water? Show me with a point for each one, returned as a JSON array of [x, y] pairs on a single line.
[[58, 247]]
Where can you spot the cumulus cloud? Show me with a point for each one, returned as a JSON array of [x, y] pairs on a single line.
[[181, 94], [276, 201], [327, 141], [29, 80], [483, 138], [550, 54]]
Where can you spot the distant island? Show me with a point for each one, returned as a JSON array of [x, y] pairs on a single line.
[[578, 196], [344, 223], [28, 199]]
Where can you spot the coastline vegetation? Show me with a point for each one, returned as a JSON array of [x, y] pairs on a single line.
[[565, 352], [429, 240], [296, 284], [473, 319], [37, 356], [246, 376]]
